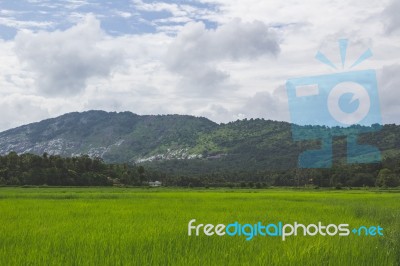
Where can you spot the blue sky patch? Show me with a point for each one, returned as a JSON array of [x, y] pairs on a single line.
[[117, 17]]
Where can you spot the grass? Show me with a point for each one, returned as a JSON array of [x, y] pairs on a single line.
[[119, 226]]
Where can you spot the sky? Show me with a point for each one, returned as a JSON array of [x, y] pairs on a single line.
[[224, 60]]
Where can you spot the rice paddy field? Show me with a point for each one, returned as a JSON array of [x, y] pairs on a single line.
[[132, 226]]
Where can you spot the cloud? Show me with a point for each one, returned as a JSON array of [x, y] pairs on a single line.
[[267, 105], [21, 109], [217, 113], [196, 52], [389, 92], [170, 17], [20, 24], [235, 40], [74, 4], [123, 14], [158, 57], [391, 17], [175, 9], [63, 61]]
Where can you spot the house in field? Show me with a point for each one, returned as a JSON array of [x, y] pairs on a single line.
[[155, 184]]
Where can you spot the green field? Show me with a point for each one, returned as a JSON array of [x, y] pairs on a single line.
[[121, 226]]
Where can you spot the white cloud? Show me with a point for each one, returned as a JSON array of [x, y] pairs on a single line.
[[64, 61], [20, 109], [158, 6], [20, 24], [389, 92], [233, 41], [179, 14], [391, 17], [196, 51], [224, 70], [217, 113], [74, 4], [176, 10], [123, 14], [267, 105]]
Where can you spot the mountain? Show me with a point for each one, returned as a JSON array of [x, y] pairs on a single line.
[[115, 137], [170, 142]]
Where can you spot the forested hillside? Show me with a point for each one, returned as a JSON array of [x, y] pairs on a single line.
[[184, 150]]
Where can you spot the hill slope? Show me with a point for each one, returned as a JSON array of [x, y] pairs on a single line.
[[192, 144], [115, 137]]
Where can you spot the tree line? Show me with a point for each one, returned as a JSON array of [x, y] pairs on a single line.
[[54, 170]]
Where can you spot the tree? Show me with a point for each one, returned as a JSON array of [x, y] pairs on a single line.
[[142, 176], [386, 178], [141, 170]]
